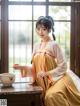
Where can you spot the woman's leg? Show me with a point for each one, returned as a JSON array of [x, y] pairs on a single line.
[[56, 95], [63, 93]]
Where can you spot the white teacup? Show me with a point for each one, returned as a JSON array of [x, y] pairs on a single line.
[[7, 79]]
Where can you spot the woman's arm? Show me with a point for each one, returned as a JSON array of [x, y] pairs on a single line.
[[24, 70], [60, 60]]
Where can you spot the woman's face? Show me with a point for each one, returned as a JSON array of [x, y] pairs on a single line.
[[42, 31]]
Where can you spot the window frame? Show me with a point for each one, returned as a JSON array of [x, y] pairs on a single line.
[[4, 29]]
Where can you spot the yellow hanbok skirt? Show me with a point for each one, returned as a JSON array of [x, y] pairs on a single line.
[[62, 92]]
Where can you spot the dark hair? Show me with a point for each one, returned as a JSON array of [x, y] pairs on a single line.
[[47, 22]]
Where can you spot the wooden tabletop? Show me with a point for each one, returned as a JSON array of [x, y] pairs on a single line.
[[21, 88]]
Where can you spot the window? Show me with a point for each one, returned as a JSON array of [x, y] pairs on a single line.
[[60, 0], [0, 32], [20, 21], [62, 17]]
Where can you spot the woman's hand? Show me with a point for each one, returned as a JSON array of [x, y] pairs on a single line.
[[23, 69], [41, 74], [17, 66]]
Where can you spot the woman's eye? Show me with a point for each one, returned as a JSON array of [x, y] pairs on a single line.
[[44, 29]]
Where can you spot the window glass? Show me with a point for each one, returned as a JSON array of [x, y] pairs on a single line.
[[0, 39], [20, 40], [62, 33], [36, 37], [59, 0], [29, 0], [20, 12], [39, 0], [38, 11], [0, 32], [60, 12], [20, 0], [0, 12]]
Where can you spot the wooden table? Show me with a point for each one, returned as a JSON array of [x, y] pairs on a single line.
[[21, 94]]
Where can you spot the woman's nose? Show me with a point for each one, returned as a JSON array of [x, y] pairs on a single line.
[[40, 31]]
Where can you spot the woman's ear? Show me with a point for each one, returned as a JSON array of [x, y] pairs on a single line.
[[49, 30]]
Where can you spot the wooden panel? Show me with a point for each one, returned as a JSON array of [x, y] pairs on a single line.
[[21, 94], [72, 39], [4, 36], [75, 38], [22, 99]]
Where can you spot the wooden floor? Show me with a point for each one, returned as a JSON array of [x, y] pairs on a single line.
[[75, 78]]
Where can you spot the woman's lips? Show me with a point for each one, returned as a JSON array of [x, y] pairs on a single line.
[[41, 35]]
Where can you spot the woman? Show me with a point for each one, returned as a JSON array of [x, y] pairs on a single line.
[[49, 68]]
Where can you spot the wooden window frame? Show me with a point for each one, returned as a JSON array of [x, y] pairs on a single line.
[[74, 64]]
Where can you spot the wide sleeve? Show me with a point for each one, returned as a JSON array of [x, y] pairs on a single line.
[[60, 60], [36, 46]]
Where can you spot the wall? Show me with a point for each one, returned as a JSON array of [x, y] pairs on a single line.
[[0, 51], [75, 39]]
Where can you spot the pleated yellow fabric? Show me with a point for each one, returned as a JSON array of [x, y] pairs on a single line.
[[44, 62], [61, 93]]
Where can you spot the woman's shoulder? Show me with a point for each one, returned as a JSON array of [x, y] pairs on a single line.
[[54, 44], [36, 45]]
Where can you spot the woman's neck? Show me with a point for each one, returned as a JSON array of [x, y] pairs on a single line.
[[46, 39]]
